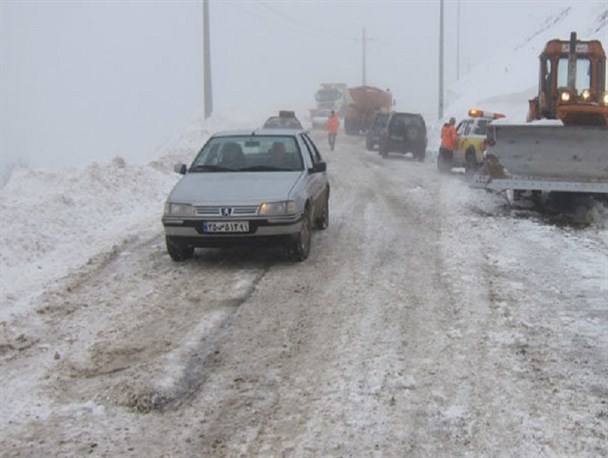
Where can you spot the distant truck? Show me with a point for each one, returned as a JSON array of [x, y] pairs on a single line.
[[363, 102], [332, 96]]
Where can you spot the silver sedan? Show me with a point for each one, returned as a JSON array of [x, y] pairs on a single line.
[[266, 186]]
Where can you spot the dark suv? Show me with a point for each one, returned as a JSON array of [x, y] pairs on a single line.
[[405, 133], [374, 131]]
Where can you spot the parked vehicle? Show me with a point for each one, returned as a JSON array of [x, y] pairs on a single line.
[[404, 133], [247, 187], [471, 141], [570, 154], [363, 102], [377, 125], [285, 120]]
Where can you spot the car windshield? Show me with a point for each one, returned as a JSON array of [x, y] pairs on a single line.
[[328, 95], [248, 154], [284, 122]]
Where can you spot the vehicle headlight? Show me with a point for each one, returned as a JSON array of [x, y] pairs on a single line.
[[285, 207], [172, 209], [586, 94], [605, 98], [565, 96]]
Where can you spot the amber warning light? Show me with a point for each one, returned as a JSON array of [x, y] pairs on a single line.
[[475, 113]]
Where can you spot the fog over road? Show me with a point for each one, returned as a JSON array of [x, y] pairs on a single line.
[[429, 320]]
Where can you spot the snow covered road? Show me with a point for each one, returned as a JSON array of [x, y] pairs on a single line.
[[428, 321]]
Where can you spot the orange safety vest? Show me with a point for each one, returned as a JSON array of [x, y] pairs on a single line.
[[449, 139], [332, 124]]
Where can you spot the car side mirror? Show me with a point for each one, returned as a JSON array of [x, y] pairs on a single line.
[[180, 168], [318, 167]]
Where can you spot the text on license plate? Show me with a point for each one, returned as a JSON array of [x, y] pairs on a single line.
[[233, 226]]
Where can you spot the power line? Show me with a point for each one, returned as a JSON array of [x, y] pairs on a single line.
[[307, 27]]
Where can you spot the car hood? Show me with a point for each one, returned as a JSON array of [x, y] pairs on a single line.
[[234, 187]]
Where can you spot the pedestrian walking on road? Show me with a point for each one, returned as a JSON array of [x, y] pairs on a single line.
[[332, 124]]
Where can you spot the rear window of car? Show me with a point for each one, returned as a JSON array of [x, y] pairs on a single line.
[[249, 153], [381, 120], [408, 120]]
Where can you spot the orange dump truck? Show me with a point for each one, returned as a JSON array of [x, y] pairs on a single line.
[[363, 102]]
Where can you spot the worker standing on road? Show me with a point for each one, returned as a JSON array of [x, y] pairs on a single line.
[[449, 142], [332, 124]]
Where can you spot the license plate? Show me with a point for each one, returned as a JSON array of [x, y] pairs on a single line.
[[232, 226]]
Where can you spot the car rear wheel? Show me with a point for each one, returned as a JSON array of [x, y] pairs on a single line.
[[322, 221], [177, 250], [299, 248]]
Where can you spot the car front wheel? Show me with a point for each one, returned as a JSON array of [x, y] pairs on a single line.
[[299, 248], [177, 250]]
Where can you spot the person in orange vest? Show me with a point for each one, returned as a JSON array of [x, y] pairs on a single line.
[[332, 124], [449, 142]]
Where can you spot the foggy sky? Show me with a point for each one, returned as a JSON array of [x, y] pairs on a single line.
[[83, 81]]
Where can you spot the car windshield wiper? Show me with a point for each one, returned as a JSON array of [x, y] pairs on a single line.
[[266, 168], [212, 168]]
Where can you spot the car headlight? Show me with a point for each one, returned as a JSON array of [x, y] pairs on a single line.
[[605, 98], [285, 207], [565, 96], [586, 94], [172, 209]]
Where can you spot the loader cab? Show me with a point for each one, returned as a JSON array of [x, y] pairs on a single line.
[[570, 80]]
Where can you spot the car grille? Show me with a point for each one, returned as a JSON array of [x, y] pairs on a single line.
[[236, 211]]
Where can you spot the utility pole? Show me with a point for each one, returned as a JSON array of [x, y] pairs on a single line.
[[458, 44], [208, 97], [441, 59], [364, 43]]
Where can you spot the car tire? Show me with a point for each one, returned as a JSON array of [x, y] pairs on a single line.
[[299, 248], [177, 250], [420, 155], [322, 222], [470, 163]]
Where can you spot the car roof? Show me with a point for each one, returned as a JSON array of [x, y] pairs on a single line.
[[402, 113], [257, 131]]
